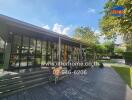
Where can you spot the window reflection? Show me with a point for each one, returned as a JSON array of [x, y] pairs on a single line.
[[31, 55], [75, 54], [2, 46], [62, 53], [24, 52], [69, 52], [48, 52], [31, 52], [38, 53], [16, 51], [43, 53], [55, 50]]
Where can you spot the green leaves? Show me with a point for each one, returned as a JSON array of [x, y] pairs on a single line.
[[111, 25], [85, 34]]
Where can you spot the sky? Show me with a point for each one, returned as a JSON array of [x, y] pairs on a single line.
[[61, 16]]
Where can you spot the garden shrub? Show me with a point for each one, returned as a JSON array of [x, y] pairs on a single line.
[[128, 57]]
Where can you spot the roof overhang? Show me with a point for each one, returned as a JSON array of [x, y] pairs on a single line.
[[16, 26]]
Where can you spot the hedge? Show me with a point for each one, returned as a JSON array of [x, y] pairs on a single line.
[[128, 57]]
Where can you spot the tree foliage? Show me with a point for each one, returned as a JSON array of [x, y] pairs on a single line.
[[85, 34], [112, 25], [109, 47], [119, 51], [105, 49]]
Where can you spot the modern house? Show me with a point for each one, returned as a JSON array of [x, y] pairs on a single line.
[[27, 46]]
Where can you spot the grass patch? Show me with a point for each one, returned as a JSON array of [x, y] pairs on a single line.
[[119, 65], [125, 73]]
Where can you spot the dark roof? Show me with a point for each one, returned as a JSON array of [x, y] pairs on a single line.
[[17, 23]]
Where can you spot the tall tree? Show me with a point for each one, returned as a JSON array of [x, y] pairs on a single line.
[[112, 26], [85, 34], [109, 47]]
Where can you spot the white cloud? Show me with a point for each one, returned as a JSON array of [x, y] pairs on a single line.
[[66, 30], [91, 10], [57, 28], [46, 27], [61, 29]]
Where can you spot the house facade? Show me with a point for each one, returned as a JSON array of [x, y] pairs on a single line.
[[28, 46]]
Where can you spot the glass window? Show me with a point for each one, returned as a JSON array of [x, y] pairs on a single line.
[[38, 49], [62, 53], [75, 54], [16, 51], [65, 53], [48, 53], [28, 52], [38, 53], [55, 57], [24, 52], [2, 46], [31, 55], [78, 53], [2, 43], [43, 53], [69, 53], [16, 44]]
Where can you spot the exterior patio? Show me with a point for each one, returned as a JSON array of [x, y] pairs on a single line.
[[97, 84]]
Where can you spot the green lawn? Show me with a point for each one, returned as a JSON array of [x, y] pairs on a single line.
[[118, 65], [106, 61], [125, 73]]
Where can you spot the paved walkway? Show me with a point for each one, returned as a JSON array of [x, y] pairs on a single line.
[[98, 84]]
